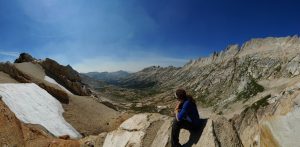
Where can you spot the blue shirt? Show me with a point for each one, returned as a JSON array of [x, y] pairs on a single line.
[[189, 112]]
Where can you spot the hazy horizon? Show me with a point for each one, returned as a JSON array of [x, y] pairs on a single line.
[[99, 35]]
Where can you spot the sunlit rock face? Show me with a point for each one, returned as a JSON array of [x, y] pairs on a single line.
[[154, 130], [141, 130], [282, 128], [271, 121]]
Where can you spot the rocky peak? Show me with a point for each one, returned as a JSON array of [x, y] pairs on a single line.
[[67, 71], [66, 76], [151, 68], [217, 57], [265, 47], [24, 57], [230, 51], [271, 46]]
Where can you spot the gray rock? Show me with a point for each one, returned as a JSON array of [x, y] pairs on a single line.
[[154, 130]]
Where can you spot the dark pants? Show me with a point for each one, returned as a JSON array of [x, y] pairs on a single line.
[[176, 126]]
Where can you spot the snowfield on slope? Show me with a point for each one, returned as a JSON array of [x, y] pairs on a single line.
[[32, 104], [50, 80]]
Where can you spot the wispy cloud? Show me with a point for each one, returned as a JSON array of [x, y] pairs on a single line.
[[11, 54], [95, 36]]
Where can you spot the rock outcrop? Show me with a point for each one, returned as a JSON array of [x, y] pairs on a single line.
[[153, 130], [16, 74], [93, 140], [23, 77], [60, 95], [66, 76], [140, 130], [271, 121], [24, 57]]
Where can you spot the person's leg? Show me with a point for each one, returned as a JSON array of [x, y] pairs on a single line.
[[175, 133], [176, 126]]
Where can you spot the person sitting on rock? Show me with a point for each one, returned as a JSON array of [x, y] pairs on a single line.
[[186, 114]]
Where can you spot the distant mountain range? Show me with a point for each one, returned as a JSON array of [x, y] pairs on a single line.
[[108, 77]]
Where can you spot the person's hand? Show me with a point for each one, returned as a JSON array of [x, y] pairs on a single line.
[[177, 108]]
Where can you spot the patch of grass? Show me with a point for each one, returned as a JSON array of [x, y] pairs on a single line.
[[261, 103], [226, 106], [203, 97], [220, 113], [118, 93], [251, 90], [278, 68], [141, 85], [151, 92]]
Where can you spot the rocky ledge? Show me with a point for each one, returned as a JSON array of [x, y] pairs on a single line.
[[153, 130]]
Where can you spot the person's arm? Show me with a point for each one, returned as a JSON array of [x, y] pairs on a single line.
[[176, 115], [182, 113], [178, 106]]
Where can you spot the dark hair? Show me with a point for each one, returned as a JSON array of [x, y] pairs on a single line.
[[181, 94]]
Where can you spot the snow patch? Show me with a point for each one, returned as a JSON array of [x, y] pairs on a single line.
[[32, 104], [50, 80]]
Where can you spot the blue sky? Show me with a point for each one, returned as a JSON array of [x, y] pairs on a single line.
[[111, 35]]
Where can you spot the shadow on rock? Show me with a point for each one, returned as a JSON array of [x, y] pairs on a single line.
[[195, 134]]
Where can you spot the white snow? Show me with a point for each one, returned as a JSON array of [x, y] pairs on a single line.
[[50, 80], [32, 104]]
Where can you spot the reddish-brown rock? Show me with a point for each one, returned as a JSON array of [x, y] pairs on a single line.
[[66, 76], [15, 133]]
